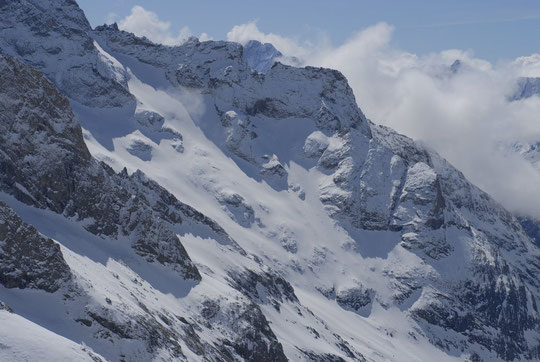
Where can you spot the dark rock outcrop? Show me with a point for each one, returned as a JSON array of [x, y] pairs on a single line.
[[45, 163], [55, 38], [27, 259]]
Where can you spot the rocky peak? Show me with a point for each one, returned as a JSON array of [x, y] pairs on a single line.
[[45, 163], [221, 68], [29, 260], [32, 104], [260, 57], [456, 66], [526, 87], [37, 126], [54, 37], [385, 227]]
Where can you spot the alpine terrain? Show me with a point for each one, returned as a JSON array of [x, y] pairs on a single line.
[[205, 202]]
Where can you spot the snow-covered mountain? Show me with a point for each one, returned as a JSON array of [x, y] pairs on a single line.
[[194, 203]]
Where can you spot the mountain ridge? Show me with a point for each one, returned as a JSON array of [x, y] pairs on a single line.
[[322, 236]]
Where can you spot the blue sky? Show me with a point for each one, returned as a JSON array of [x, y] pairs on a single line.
[[494, 29]]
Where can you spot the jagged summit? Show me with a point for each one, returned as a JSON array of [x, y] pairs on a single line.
[[54, 37], [526, 87], [260, 57], [317, 235], [456, 66], [46, 164]]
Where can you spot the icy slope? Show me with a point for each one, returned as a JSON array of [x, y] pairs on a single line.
[[368, 178], [25, 341], [125, 220], [325, 237]]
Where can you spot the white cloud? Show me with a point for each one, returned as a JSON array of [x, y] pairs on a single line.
[[249, 31], [528, 66], [205, 37], [111, 18], [142, 22], [464, 116]]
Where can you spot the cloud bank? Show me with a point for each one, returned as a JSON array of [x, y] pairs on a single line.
[[292, 48], [142, 22]]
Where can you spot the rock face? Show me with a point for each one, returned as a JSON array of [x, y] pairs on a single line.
[[379, 181], [529, 151], [244, 99], [526, 88], [36, 121], [45, 163], [347, 235], [29, 260], [532, 227], [59, 30], [260, 57]]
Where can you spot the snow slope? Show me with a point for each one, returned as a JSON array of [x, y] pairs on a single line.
[[23, 340]]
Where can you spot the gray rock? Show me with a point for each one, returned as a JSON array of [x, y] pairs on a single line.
[[55, 37], [260, 57], [27, 259], [36, 120], [526, 87]]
